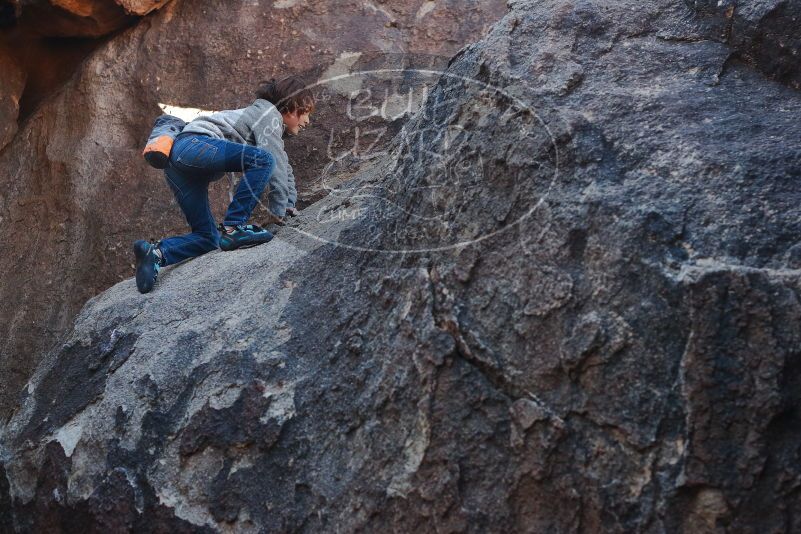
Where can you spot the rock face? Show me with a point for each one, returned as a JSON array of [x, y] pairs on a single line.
[[763, 33], [84, 18], [47, 40], [566, 300], [74, 177], [11, 87]]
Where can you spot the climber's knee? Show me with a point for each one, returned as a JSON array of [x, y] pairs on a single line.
[[260, 159]]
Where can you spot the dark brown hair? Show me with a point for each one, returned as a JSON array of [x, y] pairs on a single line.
[[288, 95]]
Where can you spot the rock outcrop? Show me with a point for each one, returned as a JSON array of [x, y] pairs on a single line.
[[74, 178], [566, 300]]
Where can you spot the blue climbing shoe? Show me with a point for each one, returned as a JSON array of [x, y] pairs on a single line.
[[147, 265], [243, 236]]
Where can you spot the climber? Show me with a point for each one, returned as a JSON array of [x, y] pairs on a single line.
[[248, 140]]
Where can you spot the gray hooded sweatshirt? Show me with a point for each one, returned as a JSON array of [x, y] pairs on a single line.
[[260, 124]]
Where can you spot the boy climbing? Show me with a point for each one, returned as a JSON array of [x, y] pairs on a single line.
[[248, 140]]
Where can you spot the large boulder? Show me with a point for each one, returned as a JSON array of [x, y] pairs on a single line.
[[565, 300], [75, 185]]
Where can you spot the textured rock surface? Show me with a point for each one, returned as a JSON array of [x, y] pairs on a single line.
[[11, 87], [74, 178], [44, 64], [83, 18], [763, 33], [615, 347], [48, 39], [141, 7], [75, 18]]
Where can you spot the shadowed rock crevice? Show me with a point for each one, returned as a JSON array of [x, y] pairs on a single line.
[[47, 41]]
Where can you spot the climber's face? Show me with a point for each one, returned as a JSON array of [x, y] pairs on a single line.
[[295, 121]]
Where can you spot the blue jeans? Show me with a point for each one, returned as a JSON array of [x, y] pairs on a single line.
[[197, 160]]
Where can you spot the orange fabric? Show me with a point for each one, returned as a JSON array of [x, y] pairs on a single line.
[[161, 144]]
